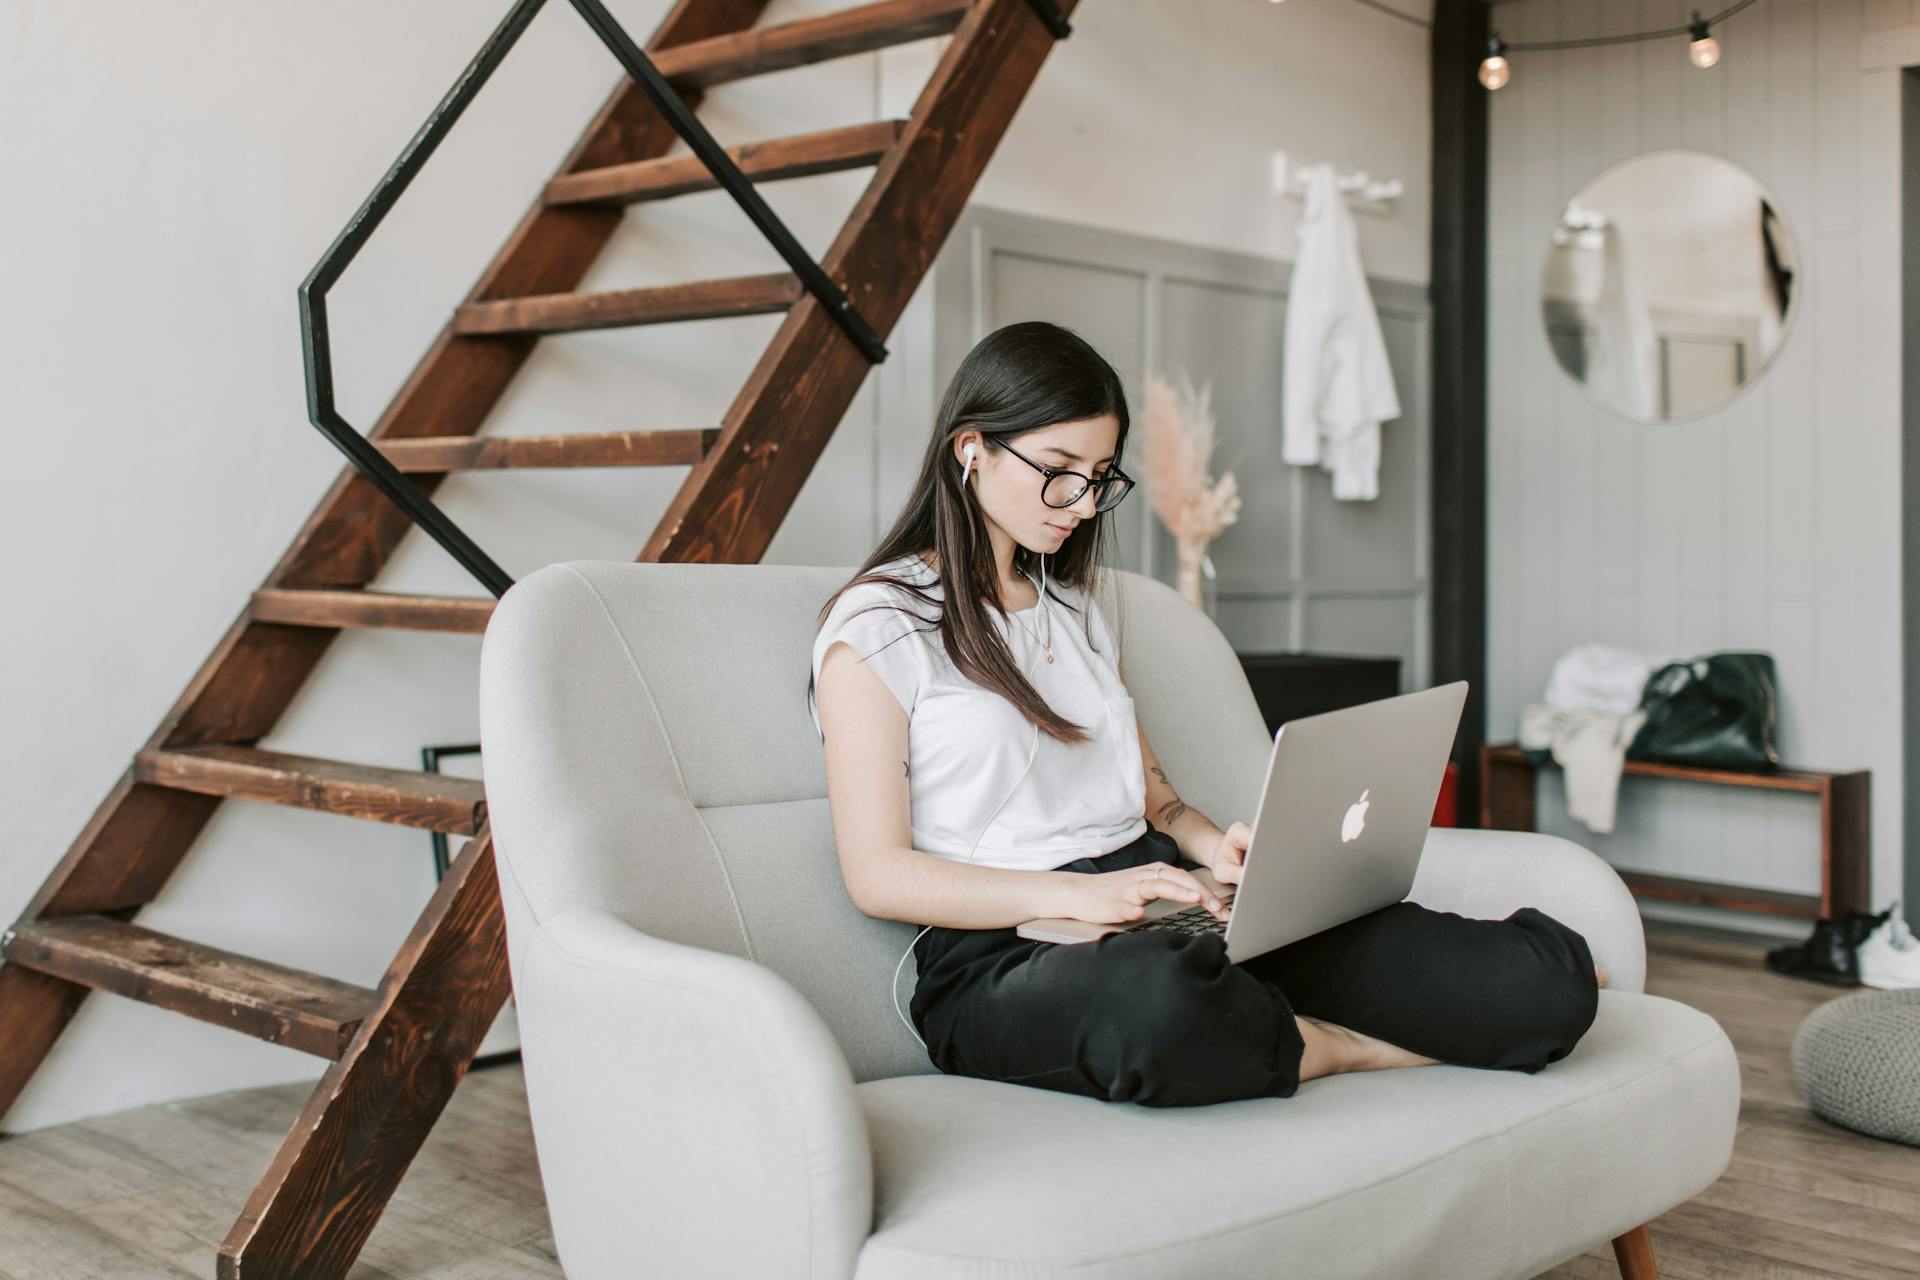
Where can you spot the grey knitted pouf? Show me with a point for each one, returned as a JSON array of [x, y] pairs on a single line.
[[1857, 1061]]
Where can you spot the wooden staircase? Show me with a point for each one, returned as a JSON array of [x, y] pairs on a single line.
[[398, 1052]]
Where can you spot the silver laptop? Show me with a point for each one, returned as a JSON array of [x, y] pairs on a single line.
[[1342, 819]]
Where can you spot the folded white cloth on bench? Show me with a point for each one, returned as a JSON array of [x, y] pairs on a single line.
[[1599, 675], [1590, 744]]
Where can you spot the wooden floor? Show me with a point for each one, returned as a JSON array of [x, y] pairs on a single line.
[[1802, 1197], [149, 1193]]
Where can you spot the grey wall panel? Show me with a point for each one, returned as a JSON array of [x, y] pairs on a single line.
[[1258, 623], [1102, 304], [1383, 625], [1234, 337], [1380, 543], [1220, 317]]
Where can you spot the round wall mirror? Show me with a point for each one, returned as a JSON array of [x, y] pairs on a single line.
[[1669, 285]]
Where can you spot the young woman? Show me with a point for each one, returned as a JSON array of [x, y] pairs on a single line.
[[985, 767]]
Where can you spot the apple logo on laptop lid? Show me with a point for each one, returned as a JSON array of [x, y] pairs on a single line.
[[1356, 820]]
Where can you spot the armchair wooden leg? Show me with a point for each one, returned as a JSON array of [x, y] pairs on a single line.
[[1634, 1252]]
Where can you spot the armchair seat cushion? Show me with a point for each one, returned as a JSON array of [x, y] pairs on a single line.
[[1437, 1171]]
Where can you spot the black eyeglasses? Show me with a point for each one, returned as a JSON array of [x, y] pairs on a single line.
[[1063, 488]]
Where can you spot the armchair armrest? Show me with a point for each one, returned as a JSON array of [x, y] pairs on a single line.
[[692, 1113], [1487, 875]]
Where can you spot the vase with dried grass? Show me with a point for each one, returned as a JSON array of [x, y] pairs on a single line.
[[1195, 507]]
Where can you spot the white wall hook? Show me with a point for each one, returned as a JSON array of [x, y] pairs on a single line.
[[1366, 194]]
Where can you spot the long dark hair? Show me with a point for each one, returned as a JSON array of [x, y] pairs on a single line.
[[1016, 379]]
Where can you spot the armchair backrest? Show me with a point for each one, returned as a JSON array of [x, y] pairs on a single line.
[[648, 751]]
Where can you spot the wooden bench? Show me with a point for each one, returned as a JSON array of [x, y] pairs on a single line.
[[1506, 803]]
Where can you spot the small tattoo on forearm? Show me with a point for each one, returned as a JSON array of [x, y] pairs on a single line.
[[1161, 774], [1171, 810], [904, 770]]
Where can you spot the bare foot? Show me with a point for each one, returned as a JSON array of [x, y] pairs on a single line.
[[1600, 974], [1333, 1049]]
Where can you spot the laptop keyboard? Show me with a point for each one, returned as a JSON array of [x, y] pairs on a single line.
[[1195, 919]]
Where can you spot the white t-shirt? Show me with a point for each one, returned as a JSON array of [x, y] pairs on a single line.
[[968, 746]]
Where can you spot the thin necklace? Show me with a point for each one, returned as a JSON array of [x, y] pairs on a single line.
[[1039, 587]]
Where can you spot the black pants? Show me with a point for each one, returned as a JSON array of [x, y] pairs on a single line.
[[1165, 1019]]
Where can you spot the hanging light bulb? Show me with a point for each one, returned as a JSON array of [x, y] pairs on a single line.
[[1704, 50], [1494, 68]]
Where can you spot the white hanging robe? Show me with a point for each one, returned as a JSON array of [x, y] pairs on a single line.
[[1624, 366], [1338, 385]]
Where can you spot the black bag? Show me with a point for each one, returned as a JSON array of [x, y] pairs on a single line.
[[1718, 712]]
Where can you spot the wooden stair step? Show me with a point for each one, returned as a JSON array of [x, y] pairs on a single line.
[[353, 607], [799, 156], [272, 1002], [680, 447], [657, 304], [342, 1160], [841, 34], [435, 801]]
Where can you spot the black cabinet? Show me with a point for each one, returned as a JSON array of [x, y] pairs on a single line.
[[1291, 685]]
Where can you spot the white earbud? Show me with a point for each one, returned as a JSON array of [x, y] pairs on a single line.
[[967, 452]]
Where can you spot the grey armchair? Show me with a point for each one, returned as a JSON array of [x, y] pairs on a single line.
[[720, 1085]]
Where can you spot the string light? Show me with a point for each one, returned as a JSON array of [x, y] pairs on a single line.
[[1702, 49], [1705, 50], [1495, 70]]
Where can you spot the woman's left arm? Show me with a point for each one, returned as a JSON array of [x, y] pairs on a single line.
[[1223, 853], [1200, 840], [1191, 829]]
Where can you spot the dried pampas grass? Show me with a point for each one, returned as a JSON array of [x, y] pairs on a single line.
[[1195, 507]]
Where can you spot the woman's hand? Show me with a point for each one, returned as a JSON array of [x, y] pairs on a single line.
[[1228, 861], [1117, 897]]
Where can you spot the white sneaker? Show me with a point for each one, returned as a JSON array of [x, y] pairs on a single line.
[[1890, 955]]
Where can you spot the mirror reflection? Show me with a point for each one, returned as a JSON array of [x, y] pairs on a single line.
[[1668, 285]]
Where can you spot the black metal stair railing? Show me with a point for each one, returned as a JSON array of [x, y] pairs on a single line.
[[317, 352]]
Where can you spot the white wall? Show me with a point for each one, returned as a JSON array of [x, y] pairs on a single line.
[[1159, 117], [1772, 523], [173, 172]]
